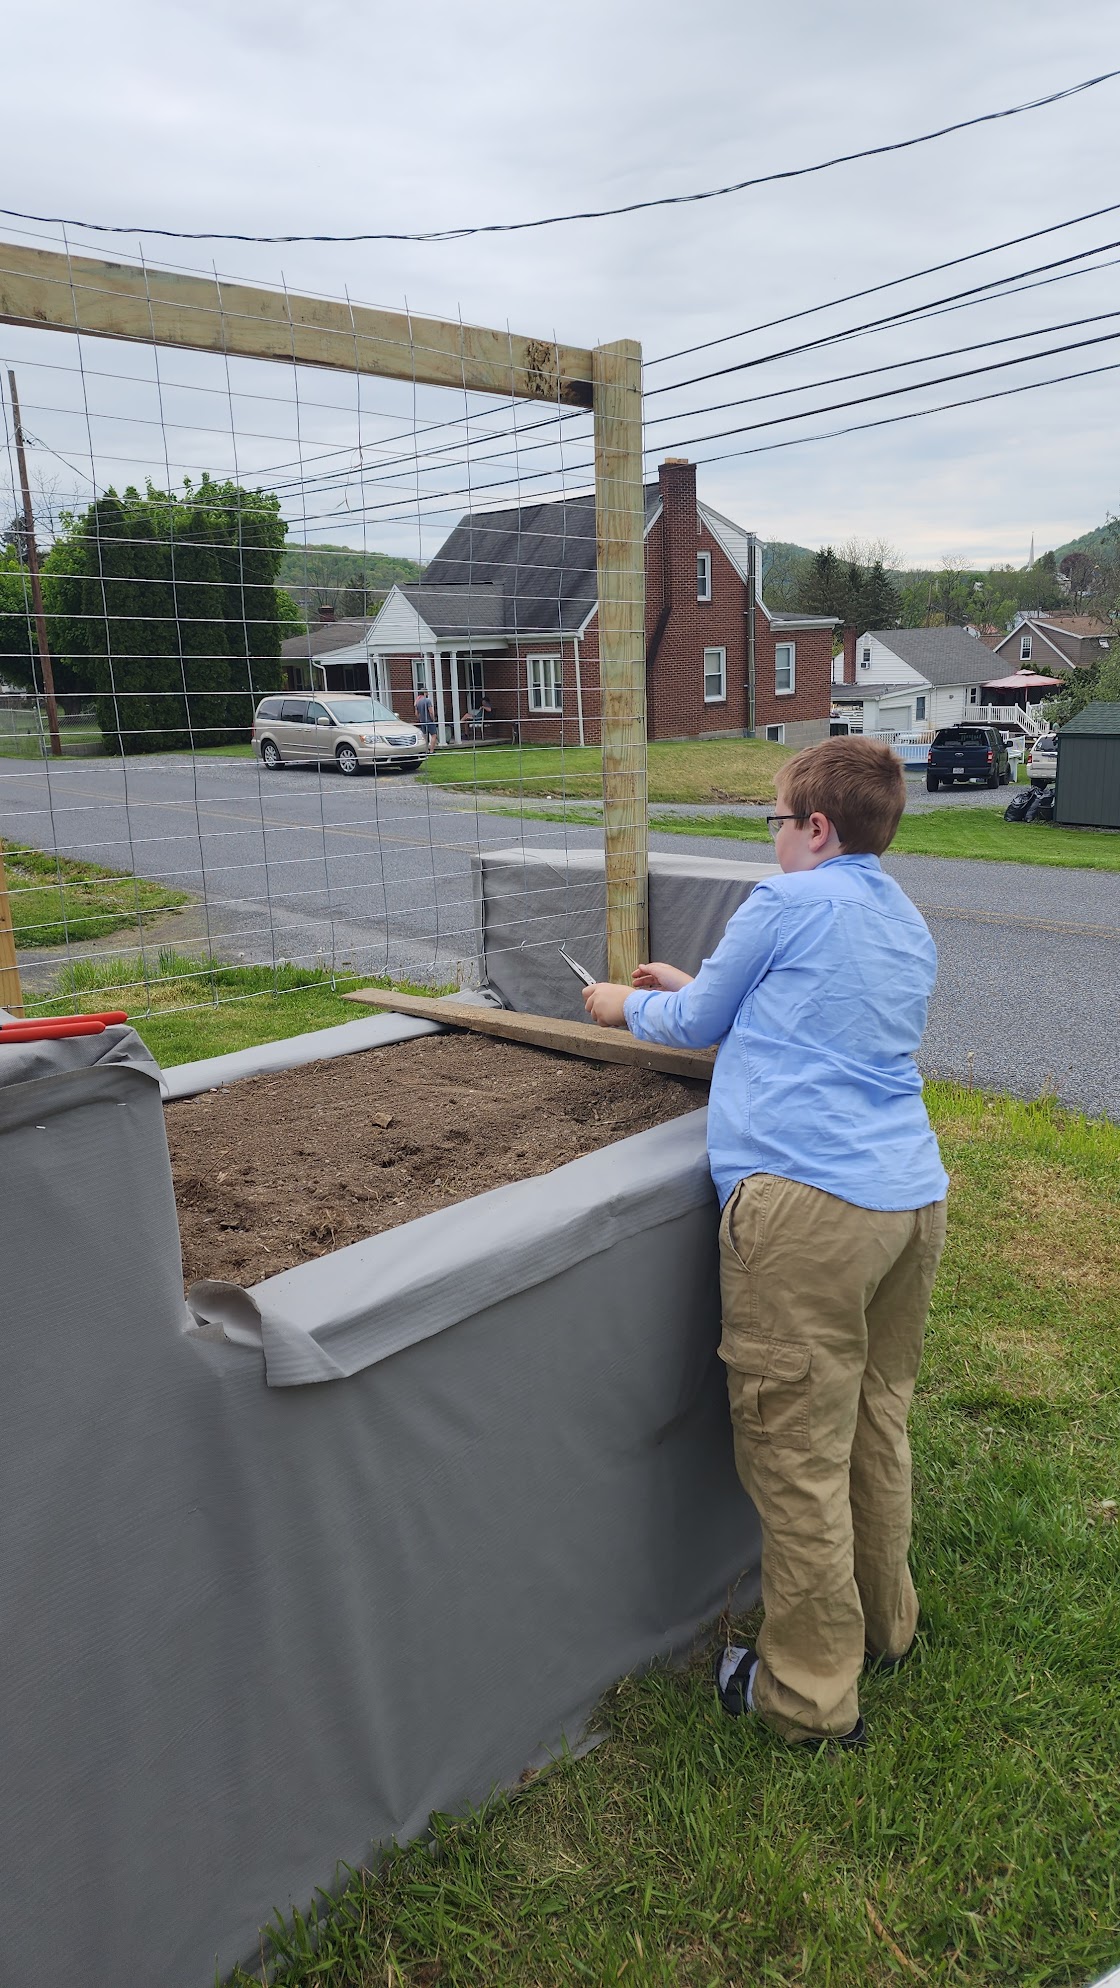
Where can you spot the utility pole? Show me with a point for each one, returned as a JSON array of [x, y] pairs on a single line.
[[752, 601], [32, 554]]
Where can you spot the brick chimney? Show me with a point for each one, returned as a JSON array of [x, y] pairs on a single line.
[[676, 478], [849, 640], [326, 611]]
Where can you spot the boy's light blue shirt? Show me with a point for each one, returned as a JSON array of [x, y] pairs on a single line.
[[817, 996]]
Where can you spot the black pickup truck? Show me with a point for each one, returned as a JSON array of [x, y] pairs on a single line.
[[967, 752]]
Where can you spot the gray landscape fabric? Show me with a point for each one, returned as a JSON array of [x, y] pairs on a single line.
[[529, 902], [251, 1629]]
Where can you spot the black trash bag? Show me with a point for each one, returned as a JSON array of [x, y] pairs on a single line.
[[1045, 808], [1016, 810], [1033, 808]]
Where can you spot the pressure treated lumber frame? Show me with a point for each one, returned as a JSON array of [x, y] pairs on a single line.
[[543, 1032], [45, 290]]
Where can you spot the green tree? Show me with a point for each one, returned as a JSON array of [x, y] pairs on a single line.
[[1100, 681], [862, 594], [167, 605], [19, 649]]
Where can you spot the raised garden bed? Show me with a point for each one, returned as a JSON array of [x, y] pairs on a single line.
[[283, 1168]]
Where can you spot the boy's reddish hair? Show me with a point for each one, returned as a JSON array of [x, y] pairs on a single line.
[[858, 783]]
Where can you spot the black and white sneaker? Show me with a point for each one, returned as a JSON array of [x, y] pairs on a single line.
[[734, 1670], [735, 1667]]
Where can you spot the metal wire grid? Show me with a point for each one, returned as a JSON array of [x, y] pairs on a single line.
[[309, 871]]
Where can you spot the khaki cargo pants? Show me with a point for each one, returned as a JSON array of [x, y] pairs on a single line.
[[824, 1309]]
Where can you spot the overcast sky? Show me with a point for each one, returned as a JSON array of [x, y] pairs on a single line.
[[340, 115]]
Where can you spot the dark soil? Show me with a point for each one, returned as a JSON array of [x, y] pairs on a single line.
[[282, 1168]]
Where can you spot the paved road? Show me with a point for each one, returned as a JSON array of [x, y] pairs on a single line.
[[376, 874]]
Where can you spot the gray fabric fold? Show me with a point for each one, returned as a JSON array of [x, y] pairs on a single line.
[[221, 1599], [530, 901], [330, 1318], [187, 1080]]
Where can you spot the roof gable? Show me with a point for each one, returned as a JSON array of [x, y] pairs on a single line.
[[540, 558], [940, 655]]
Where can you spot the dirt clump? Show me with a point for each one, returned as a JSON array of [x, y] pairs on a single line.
[[282, 1168]]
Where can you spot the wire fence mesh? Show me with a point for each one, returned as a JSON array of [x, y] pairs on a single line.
[[314, 641]]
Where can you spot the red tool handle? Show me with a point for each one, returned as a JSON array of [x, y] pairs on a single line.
[[31, 1024], [51, 1031]]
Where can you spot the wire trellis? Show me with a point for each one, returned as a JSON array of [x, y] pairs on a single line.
[[313, 656]]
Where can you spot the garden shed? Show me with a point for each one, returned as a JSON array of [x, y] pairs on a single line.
[[1088, 790]]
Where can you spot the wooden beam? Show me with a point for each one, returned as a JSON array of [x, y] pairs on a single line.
[[544, 1032], [11, 993], [51, 291], [620, 536]]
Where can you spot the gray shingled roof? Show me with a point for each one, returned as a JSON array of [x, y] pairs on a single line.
[[323, 636], [464, 611], [941, 655], [541, 557], [1098, 720]]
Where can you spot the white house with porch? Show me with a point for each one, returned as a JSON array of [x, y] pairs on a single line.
[[899, 681]]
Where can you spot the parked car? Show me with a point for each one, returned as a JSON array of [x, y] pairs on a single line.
[[351, 730], [962, 753], [1042, 760]]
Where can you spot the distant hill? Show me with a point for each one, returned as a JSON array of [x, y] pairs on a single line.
[[780, 548], [313, 573], [1094, 541]]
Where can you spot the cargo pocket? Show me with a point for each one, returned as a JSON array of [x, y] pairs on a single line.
[[768, 1387]]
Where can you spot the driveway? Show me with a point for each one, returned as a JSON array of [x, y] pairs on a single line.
[[374, 875]]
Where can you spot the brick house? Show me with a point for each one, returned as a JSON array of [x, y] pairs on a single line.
[[508, 608]]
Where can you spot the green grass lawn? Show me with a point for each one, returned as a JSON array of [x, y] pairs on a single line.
[[29, 745], [700, 770], [55, 900], [981, 834], [977, 1841], [184, 1008]]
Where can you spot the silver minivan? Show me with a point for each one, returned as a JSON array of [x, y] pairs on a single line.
[[343, 726]]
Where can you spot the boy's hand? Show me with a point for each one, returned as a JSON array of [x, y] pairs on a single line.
[[660, 978], [606, 1004]]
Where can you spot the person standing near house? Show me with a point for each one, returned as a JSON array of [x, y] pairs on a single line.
[[833, 1199], [426, 717]]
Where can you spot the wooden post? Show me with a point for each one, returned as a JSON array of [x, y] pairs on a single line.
[[32, 551], [11, 993], [620, 537]]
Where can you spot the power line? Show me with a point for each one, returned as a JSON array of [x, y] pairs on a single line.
[[895, 366], [913, 314], [914, 414], [893, 283], [912, 386], [586, 214]]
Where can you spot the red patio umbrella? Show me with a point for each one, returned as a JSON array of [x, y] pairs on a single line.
[[1024, 680]]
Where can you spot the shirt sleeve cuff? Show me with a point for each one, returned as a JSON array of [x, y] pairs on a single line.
[[632, 1012]]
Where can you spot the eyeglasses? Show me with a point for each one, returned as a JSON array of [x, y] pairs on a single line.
[[774, 823]]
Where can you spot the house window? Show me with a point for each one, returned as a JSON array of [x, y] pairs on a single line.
[[1025, 645], [419, 675], [974, 693], [703, 576], [784, 669], [776, 734], [546, 680], [715, 676], [919, 708], [866, 659]]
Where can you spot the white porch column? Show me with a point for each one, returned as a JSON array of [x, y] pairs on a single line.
[[456, 710], [579, 687], [441, 714], [373, 666]]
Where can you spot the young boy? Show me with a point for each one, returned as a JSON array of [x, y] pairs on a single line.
[[832, 1191]]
